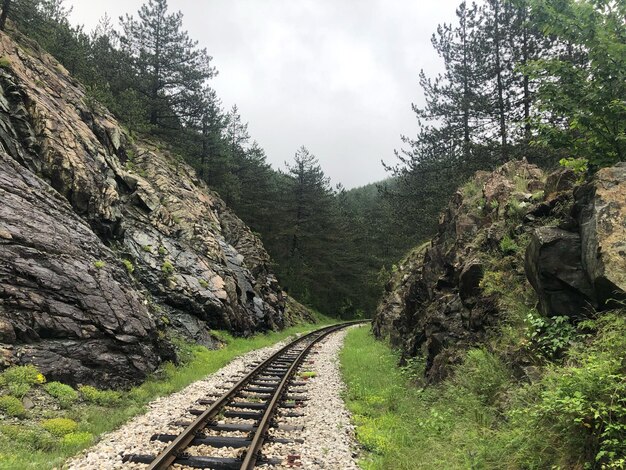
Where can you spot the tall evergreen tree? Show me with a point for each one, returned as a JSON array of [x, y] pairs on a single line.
[[170, 68]]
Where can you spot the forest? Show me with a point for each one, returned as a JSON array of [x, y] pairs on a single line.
[[543, 80]]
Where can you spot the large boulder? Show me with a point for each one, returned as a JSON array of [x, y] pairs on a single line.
[[554, 269], [601, 208]]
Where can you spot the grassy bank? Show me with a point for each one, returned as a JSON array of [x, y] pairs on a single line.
[[571, 415], [43, 437]]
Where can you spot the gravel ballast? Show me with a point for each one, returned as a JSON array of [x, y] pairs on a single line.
[[328, 435]]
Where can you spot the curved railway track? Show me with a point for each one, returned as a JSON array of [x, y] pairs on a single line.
[[256, 397]]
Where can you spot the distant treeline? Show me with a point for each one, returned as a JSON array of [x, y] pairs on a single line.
[[541, 79]]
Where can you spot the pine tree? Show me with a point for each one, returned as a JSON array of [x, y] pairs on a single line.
[[171, 70]]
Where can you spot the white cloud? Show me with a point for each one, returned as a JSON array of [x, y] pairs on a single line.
[[338, 76]]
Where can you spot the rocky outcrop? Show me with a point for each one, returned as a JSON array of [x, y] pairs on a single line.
[[434, 303], [65, 301], [558, 245], [107, 242], [554, 269], [601, 213]]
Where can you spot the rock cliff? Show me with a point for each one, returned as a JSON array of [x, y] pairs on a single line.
[[546, 239], [107, 243]]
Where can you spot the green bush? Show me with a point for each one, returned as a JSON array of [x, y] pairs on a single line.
[[147, 248], [30, 436], [550, 336], [99, 397], [59, 426], [77, 440], [18, 389], [581, 404], [65, 394], [27, 374], [12, 406]]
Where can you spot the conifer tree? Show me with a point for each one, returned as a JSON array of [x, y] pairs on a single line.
[[171, 70]]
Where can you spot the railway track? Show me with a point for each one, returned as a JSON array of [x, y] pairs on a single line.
[[242, 417]]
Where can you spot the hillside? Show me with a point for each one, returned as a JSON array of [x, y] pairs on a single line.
[[110, 243], [512, 320]]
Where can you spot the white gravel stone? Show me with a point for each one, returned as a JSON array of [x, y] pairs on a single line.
[[328, 434], [134, 436]]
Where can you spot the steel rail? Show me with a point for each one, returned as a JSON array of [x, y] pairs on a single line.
[[182, 441], [257, 442]]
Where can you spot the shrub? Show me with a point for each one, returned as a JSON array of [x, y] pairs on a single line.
[[12, 406], [18, 389], [580, 166], [59, 426], [27, 374], [65, 394], [128, 265], [5, 63], [147, 248], [32, 436], [76, 440], [99, 264], [162, 250], [550, 336], [99, 397], [167, 268]]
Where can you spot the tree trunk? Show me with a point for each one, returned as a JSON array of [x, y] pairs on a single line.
[[466, 104], [500, 85], [6, 4]]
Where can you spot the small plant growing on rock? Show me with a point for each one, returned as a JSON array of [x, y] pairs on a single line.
[[167, 268], [308, 374], [5, 63], [203, 283], [59, 426], [128, 265], [162, 250], [99, 264], [12, 406], [508, 245], [147, 248], [65, 394]]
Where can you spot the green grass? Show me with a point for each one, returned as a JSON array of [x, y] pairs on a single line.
[[28, 445], [483, 416], [405, 426]]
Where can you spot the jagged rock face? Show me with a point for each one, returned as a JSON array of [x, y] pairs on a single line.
[[575, 259], [601, 207], [65, 303], [434, 302], [95, 195], [554, 269]]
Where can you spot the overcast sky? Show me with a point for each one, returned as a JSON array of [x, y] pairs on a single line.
[[337, 76]]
